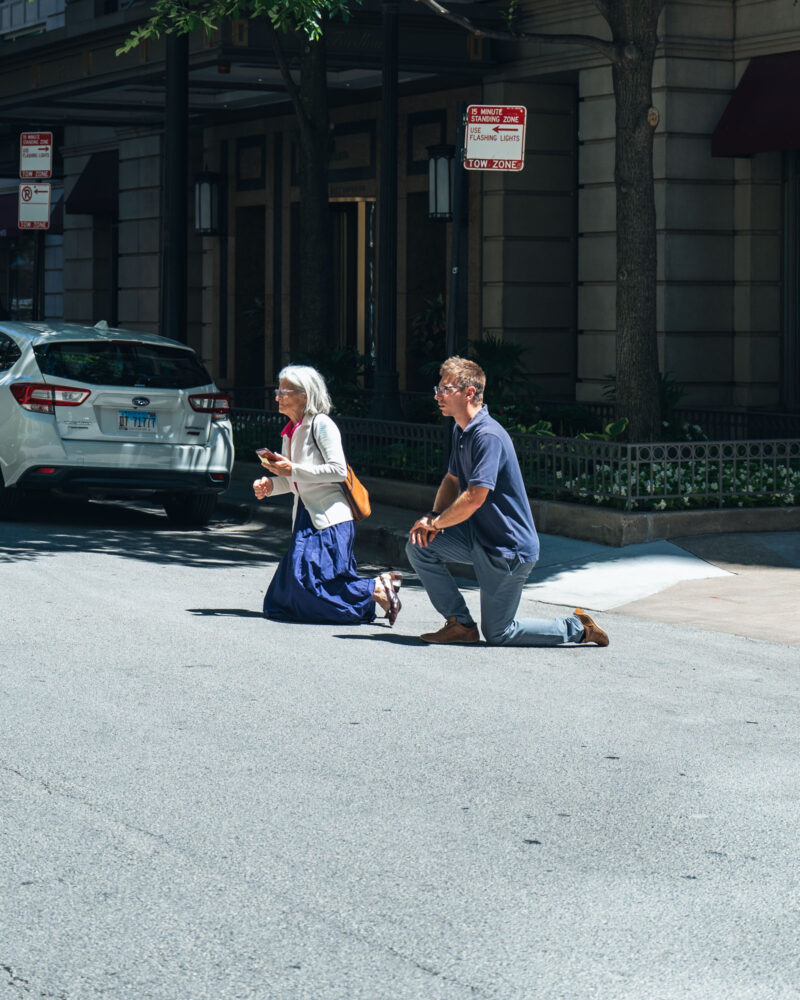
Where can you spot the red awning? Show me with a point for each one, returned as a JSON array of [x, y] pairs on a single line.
[[763, 114]]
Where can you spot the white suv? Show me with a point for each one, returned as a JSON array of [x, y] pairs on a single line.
[[99, 412]]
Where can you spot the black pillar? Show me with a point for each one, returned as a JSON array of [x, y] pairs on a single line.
[[174, 213], [457, 332], [385, 388], [277, 257]]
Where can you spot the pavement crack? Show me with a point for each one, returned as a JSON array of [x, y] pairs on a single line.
[[429, 970], [18, 982], [24, 985], [92, 806], [438, 974]]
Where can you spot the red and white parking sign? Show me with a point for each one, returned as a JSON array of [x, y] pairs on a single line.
[[36, 154], [495, 137], [34, 206]]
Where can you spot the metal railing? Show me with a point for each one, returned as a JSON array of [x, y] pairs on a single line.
[[678, 475], [391, 449], [413, 406], [567, 417]]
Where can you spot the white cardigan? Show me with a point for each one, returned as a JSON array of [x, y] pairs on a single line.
[[317, 471]]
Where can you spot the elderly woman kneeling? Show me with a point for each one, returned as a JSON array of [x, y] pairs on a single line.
[[316, 580]]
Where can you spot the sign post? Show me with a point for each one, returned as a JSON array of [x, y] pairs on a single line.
[[495, 137]]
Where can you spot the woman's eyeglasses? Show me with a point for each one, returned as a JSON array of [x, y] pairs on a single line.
[[285, 392]]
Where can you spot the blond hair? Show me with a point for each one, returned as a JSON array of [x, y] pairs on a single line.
[[464, 373]]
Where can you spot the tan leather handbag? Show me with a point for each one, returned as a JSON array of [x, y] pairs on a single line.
[[355, 493]]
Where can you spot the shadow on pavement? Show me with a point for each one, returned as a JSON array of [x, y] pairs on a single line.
[[52, 526], [776, 549], [225, 613], [395, 637]]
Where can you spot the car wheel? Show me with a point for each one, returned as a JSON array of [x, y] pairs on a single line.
[[191, 511]]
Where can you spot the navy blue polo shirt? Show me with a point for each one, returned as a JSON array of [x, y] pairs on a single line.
[[483, 455]]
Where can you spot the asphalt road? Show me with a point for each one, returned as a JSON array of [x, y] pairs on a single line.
[[197, 804]]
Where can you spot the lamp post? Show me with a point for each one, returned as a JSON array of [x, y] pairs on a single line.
[[440, 182], [206, 204]]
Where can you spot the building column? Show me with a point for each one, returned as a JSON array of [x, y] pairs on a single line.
[[174, 212], [385, 395]]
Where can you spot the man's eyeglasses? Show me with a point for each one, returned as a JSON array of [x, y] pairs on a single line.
[[285, 392], [445, 390]]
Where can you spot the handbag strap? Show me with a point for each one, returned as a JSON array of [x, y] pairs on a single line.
[[314, 436], [346, 482]]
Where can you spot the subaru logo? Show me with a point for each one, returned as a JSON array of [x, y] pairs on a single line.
[[140, 401]]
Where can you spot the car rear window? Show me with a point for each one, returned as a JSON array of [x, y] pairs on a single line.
[[9, 352], [127, 363]]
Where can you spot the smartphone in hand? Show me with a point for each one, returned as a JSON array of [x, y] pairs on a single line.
[[267, 453]]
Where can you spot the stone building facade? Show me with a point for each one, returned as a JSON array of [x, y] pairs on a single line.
[[541, 243]]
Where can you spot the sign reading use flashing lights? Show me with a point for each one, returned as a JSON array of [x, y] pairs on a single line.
[[495, 137], [36, 154]]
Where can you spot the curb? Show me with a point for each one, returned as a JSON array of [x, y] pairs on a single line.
[[588, 523]]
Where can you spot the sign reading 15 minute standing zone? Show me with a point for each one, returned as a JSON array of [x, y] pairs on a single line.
[[36, 154], [495, 137]]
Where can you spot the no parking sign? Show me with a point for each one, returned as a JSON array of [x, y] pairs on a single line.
[[34, 206]]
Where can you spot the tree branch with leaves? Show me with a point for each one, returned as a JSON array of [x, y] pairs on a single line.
[[631, 53]]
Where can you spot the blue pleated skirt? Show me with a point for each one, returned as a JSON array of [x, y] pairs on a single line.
[[316, 581]]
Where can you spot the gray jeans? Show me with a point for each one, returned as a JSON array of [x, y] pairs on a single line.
[[500, 581]]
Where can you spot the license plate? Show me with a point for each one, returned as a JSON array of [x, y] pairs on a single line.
[[137, 420]]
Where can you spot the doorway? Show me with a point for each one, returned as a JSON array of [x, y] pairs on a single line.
[[353, 274], [22, 263], [250, 295]]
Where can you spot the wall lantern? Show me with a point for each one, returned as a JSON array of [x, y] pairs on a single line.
[[440, 182], [206, 204]]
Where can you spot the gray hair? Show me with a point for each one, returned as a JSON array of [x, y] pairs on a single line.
[[313, 385]]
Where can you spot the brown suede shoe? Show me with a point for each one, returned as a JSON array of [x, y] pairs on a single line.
[[453, 632], [592, 632]]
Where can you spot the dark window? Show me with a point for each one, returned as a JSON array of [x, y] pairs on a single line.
[[9, 352], [250, 300], [127, 363]]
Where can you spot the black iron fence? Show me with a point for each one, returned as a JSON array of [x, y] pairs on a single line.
[[716, 424], [388, 448], [413, 406], [566, 417], [672, 475]]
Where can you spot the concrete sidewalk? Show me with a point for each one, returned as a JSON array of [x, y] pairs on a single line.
[[743, 584]]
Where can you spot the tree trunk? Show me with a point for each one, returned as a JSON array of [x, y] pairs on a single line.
[[633, 24], [316, 282]]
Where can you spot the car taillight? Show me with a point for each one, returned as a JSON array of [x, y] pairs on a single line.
[[216, 403], [41, 398]]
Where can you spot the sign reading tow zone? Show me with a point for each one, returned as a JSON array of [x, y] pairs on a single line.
[[495, 137], [36, 154], [34, 206]]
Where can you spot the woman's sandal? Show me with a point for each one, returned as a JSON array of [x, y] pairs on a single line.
[[391, 584]]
